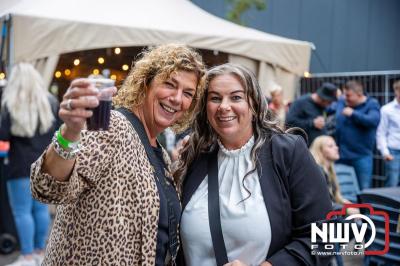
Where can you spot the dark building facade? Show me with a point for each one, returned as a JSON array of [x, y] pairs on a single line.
[[349, 35]]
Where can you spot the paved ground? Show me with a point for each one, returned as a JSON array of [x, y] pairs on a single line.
[[5, 259]]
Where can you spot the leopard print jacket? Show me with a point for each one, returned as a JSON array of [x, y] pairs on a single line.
[[108, 210]]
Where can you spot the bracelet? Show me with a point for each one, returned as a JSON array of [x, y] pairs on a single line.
[[66, 144], [64, 153], [64, 148]]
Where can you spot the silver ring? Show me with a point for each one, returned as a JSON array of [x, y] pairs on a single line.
[[68, 106]]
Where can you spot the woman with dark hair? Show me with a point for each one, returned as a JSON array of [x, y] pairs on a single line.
[[250, 191]]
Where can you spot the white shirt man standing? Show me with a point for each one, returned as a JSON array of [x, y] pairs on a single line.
[[388, 137]]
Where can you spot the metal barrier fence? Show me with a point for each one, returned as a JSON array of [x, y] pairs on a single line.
[[378, 84]]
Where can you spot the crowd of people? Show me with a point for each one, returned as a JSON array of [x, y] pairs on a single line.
[[357, 123], [240, 190]]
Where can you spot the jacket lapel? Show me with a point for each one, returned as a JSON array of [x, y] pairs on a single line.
[[194, 177], [271, 188]]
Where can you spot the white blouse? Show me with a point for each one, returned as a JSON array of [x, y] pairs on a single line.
[[244, 218]]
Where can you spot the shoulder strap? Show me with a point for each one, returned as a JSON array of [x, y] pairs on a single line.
[[172, 220], [214, 216], [138, 126]]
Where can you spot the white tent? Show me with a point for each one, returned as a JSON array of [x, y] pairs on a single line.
[[44, 29]]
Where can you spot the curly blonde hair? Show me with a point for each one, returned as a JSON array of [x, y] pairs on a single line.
[[161, 61]]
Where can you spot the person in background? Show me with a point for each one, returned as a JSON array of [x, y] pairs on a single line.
[[388, 137], [357, 118], [326, 153], [168, 140], [277, 105], [308, 111], [241, 171], [117, 203], [330, 118], [181, 140], [28, 120], [4, 145]]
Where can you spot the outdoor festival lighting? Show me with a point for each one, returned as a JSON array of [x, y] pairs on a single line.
[[125, 67], [67, 72], [100, 60], [77, 62], [96, 71], [307, 74], [113, 77], [2, 75], [117, 50], [58, 74]]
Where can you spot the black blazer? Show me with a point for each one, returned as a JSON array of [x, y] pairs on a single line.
[[295, 195]]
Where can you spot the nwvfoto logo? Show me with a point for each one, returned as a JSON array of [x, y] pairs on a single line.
[[331, 233]]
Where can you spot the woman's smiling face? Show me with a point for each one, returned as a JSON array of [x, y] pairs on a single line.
[[167, 100], [228, 111]]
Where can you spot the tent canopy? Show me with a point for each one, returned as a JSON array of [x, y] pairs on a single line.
[[44, 28]]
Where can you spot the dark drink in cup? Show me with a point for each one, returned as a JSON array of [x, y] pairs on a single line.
[[100, 120]]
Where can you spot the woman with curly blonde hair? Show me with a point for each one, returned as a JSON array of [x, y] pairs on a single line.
[[117, 203]]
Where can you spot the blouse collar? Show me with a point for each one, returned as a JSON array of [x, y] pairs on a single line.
[[246, 147]]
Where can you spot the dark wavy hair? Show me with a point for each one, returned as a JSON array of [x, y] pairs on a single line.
[[204, 137]]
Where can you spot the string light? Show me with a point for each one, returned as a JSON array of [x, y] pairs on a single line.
[[67, 72], [307, 74], [77, 62], [117, 50], [96, 71], [58, 74], [100, 60], [125, 67], [2, 75], [113, 77]]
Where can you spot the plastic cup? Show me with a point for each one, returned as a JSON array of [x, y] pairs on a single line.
[[100, 120]]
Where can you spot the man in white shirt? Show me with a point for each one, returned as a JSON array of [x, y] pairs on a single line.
[[388, 137]]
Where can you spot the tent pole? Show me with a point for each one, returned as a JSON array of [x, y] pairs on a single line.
[[10, 44], [6, 42], [3, 46]]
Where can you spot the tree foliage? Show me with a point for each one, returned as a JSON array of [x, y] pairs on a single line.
[[239, 7]]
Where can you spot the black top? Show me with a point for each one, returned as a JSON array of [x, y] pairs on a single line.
[[295, 194], [162, 233], [23, 150], [332, 191], [301, 114]]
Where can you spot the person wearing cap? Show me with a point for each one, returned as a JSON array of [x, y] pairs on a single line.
[[357, 119], [308, 111]]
